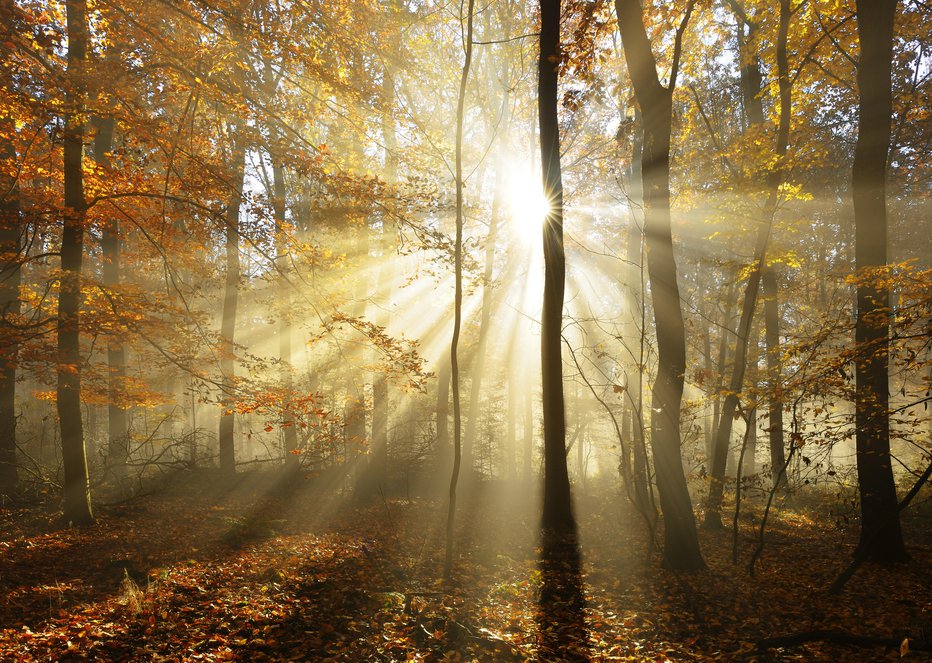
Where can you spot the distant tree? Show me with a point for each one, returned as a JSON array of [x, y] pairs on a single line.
[[750, 80]]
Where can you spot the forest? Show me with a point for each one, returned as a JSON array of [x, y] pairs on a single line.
[[444, 330]]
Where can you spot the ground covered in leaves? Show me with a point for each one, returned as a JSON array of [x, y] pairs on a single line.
[[262, 571]]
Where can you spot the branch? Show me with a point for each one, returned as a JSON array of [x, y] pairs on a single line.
[[863, 552], [840, 637], [678, 45]]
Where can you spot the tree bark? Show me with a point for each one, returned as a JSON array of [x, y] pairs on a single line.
[[77, 495], [868, 185], [11, 232], [558, 513], [681, 549]]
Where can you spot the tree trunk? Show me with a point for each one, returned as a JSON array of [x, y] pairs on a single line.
[[442, 413], [681, 549], [751, 89], [527, 458], [11, 231], [458, 298], [230, 300], [636, 303], [774, 376], [868, 185], [290, 432], [118, 443], [713, 515], [77, 496], [485, 316], [558, 513], [383, 289]]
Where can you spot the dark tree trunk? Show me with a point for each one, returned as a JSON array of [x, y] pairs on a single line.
[[117, 448], [230, 300], [77, 495], [681, 543], [558, 512], [868, 185], [11, 231]]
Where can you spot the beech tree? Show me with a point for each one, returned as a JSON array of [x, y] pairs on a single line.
[[881, 538], [77, 497], [681, 544]]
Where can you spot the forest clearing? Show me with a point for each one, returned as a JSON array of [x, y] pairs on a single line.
[[445, 330]]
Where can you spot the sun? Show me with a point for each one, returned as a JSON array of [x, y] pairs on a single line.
[[525, 202]]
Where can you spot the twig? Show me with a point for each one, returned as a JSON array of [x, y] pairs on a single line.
[[840, 637]]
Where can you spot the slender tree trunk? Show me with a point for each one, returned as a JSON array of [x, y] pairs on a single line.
[[868, 185], [442, 413], [77, 495], [230, 301], [681, 549], [290, 432], [511, 428], [485, 316], [637, 306], [558, 513], [383, 289], [11, 232], [751, 90], [527, 459], [774, 376], [118, 444], [458, 297], [713, 515]]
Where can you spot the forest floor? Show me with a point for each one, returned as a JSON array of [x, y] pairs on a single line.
[[257, 572]]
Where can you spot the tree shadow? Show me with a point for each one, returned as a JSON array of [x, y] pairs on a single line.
[[561, 620]]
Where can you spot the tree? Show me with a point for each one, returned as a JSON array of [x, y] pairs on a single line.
[[118, 428], [77, 495], [681, 543], [458, 296], [558, 513], [750, 80], [11, 230], [868, 188]]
